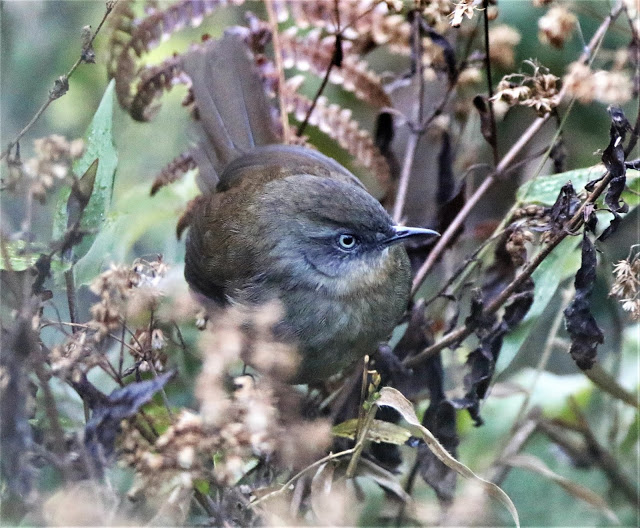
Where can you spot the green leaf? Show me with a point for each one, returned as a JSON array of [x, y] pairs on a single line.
[[379, 431], [544, 189], [99, 146], [133, 216], [561, 264]]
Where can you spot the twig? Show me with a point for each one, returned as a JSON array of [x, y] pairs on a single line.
[[56, 92], [336, 59], [506, 161], [286, 485], [493, 139], [277, 50], [415, 130], [603, 458]]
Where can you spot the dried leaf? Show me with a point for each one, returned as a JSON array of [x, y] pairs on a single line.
[[338, 124], [581, 325], [104, 426], [390, 397], [613, 159], [573, 488], [383, 478]]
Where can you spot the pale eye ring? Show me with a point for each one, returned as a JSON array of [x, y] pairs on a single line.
[[347, 241]]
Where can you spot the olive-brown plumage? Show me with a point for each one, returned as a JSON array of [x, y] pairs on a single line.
[[287, 223]]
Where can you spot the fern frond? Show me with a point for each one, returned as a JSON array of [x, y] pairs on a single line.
[[310, 52], [367, 23], [153, 80], [338, 124], [176, 169], [138, 36]]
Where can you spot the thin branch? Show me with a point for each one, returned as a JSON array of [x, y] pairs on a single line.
[[415, 131], [58, 90], [277, 50], [493, 139], [336, 58]]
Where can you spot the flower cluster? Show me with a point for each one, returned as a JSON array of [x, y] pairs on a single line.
[[626, 286], [538, 91], [609, 87], [556, 26], [52, 162]]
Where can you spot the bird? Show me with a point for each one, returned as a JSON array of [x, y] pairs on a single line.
[[286, 223]]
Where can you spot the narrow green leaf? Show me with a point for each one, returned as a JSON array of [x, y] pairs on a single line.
[[379, 431], [135, 215]]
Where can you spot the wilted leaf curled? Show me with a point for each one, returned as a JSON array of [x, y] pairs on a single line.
[[581, 325], [447, 50], [564, 208], [440, 419], [104, 426], [390, 397], [613, 159]]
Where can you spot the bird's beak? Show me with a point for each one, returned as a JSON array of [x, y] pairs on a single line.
[[402, 232]]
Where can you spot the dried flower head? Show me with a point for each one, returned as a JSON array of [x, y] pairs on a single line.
[[462, 9], [125, 293], [556, 26], [626, 286], [502, 41], [609, 87], [538, 91], [51, 164]]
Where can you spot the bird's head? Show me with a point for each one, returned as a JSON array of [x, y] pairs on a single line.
[[331, 235]]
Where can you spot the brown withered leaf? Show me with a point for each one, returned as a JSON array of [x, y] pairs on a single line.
[[104, 425], [613, 159], [581, 325]]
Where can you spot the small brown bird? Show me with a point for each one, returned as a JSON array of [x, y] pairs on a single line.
[[287, 223]]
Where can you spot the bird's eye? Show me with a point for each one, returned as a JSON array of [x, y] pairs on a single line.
[[347, 241]]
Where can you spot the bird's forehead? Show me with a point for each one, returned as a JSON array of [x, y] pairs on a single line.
[[332, 201]]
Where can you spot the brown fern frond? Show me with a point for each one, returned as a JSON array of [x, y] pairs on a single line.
[[176, 169], [120, 26], [367, 23], [338, 124], [153, 80], [138, 37], [310, 52]]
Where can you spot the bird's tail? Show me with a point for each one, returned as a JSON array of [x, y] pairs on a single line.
[[233, 112]]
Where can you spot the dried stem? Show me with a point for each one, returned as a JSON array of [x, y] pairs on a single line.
[[277, 50], [416, 130], [54, 94], [493, 140], [506, 161]]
